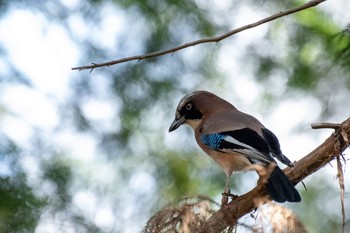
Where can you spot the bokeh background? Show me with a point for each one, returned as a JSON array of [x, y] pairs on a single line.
[[90, 152]]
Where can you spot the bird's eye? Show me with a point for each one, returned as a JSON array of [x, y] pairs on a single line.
[[188, 106]]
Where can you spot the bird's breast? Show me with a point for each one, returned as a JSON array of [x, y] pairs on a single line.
[[229, 162]]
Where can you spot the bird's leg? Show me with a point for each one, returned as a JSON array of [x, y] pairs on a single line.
[[227, 193], [224, 199]]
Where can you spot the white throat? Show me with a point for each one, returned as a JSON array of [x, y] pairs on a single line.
[[193, 123]]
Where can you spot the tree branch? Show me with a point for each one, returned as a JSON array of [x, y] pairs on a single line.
[[315, 160], [325, 126], [217, 39]]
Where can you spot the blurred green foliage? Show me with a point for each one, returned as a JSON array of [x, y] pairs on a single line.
[[146, 93], [20, 208]]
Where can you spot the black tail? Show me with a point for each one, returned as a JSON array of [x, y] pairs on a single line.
[[280, 188]]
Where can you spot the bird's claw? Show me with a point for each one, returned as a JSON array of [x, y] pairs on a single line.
[[225, 197]]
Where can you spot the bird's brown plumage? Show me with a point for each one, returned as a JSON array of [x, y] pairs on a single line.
[[209, 114]]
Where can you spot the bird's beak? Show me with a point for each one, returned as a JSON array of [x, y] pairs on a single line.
[[177, 123]]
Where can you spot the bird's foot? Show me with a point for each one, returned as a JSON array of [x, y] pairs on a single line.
[[225, 197]]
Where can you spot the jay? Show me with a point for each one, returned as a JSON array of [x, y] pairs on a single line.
[[235, 140]]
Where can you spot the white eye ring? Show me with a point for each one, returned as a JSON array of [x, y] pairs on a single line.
[[188, 106]]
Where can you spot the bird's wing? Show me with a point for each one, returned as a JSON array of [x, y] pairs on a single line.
[[244, 141], [274, 145]]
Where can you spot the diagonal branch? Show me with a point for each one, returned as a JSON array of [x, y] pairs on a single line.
[[217, 39], [329, 150]]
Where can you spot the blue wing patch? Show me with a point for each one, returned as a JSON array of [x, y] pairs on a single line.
[[244, 141], [213, 140]]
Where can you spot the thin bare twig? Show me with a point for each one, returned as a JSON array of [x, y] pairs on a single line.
[[217, 39], [325, 126], [342, 190]]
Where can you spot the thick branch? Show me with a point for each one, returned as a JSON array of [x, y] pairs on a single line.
[[315, 160], [217, 39]]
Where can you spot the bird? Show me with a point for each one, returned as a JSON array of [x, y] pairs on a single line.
[[236, 141]]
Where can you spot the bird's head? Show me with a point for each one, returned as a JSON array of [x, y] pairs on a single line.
[[188, 111], [193, 107]]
